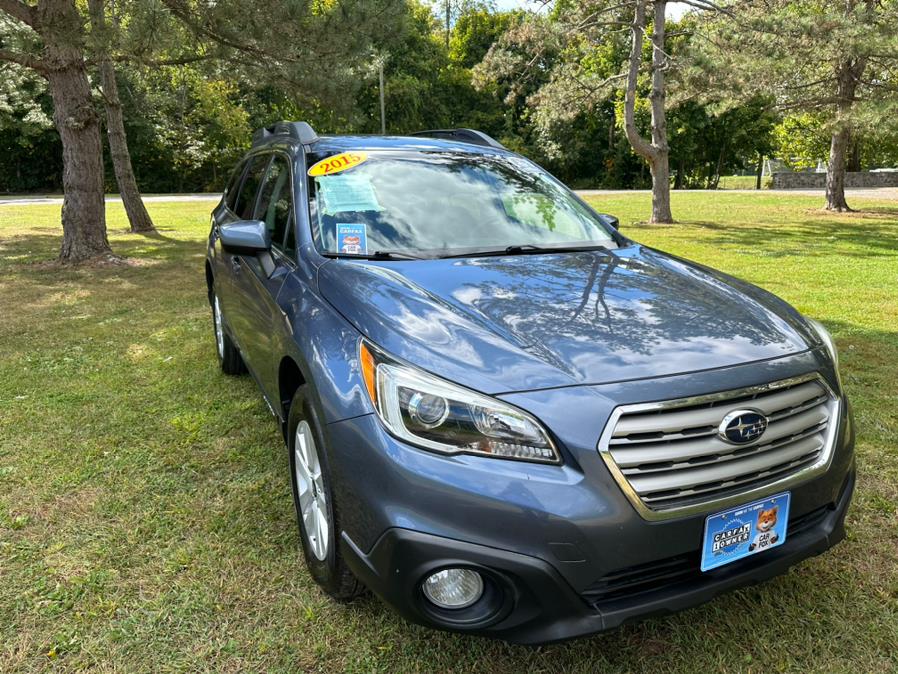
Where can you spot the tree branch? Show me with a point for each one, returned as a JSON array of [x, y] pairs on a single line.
[[18, 10], [202, 27], [708, 6], [23, 60], [177, 61], [153, 63], [640, 145], [812, 103], [660, 63]]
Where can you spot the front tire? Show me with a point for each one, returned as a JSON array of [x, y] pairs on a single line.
[[317, 511], [228, 354]]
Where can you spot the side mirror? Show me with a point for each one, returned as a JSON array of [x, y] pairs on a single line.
[[610, 220], [245, 236]]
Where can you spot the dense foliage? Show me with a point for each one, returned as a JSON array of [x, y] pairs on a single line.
[[540, 82]]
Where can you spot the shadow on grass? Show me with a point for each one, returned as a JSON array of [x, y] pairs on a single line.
[[846, 235], [157, 235], [23, 255]]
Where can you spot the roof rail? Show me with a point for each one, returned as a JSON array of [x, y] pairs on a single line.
[[300, 131], [462, 135]]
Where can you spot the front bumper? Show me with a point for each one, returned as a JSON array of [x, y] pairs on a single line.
[[564, 544], [539, 605]]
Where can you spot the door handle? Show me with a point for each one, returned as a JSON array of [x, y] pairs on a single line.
[[236, 264]]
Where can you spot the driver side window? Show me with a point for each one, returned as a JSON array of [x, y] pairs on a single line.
[[275, 206], [246, 200]]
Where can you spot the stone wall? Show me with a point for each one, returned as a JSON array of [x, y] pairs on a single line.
[[790, 181]]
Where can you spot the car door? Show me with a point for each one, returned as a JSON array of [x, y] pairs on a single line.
[[263, 275], [232, 269]]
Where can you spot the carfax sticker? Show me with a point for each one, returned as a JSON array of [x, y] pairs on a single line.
[[352, 239], [337, 163], [746, 530]]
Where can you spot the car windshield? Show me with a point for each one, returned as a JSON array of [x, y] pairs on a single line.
[[442, 203]]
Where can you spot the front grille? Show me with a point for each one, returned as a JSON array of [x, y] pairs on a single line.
[[672, 571], [668, 456]]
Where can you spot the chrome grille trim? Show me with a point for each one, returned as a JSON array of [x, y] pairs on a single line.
[[668, 460]]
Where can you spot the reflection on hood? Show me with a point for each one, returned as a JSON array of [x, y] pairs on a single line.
[[535, 321]]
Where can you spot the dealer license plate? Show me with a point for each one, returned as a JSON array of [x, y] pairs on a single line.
[[745, 531]]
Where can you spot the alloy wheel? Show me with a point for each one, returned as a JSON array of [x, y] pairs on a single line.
[[310, 488]]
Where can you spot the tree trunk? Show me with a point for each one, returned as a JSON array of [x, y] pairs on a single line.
[[137, 213], [835, 172], [661, 193], [848, 74], [83, 207], [760, 172], [656, 152], [715, 179], [611, 126], [853, 160], [681, 174], [661, 165], [448, 21], [121, 157]]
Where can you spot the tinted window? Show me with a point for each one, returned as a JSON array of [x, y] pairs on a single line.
[[230, 192], [276, 203], [290, 243], [247, 199]]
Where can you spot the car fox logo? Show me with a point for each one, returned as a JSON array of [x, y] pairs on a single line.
[[352, 245], [764, 527]]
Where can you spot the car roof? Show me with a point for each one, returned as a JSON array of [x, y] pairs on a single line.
[[333, 144]]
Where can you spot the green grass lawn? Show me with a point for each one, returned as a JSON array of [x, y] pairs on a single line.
[[145, 516]]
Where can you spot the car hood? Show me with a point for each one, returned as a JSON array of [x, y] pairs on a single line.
[[524, 322]]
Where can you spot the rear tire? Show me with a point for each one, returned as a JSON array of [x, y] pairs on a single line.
[[228, 354], [316, 505]]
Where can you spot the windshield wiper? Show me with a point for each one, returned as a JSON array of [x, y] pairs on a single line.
[[376, 255], [393, 255], [532, 248], [528, 249]]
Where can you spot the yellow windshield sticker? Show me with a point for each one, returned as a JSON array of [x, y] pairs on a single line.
[[337, 163]]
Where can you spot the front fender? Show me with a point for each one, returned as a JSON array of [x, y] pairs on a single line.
[[325, 347]]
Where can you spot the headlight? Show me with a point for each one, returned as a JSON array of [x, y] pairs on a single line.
[[830, 345], [827, 340], [444, 417]]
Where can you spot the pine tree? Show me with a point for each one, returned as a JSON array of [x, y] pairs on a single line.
[[833, 59]]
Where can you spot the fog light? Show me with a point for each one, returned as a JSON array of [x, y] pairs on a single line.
[[453, 588]]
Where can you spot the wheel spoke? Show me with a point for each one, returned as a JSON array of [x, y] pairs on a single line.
[[303, 479], [323, 530], [309, 515], [314, 467], [302, 450], [219, 329]]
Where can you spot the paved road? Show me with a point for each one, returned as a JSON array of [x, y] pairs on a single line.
[[887, 193], [150, 198]]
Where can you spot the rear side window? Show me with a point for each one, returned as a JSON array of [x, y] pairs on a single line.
[[276, 204], [246, 201]]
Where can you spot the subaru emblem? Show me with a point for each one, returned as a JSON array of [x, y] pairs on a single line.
[[740, 427]]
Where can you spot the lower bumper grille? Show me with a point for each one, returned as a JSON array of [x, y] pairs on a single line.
[[670, 457], [665, 573]]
